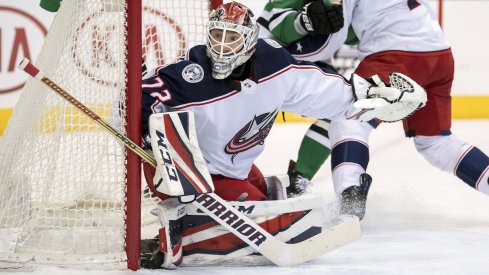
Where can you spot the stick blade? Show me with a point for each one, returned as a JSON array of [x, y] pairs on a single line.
[[331, 239]]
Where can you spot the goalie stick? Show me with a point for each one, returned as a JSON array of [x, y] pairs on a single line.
[[277, 251]]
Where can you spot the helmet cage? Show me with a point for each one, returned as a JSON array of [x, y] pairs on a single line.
[[226, 56]]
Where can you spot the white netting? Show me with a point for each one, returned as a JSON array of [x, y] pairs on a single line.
[[62, 179]]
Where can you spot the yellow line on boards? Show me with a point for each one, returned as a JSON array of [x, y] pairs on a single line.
[[4, 117], [463, 107], [470, 107]]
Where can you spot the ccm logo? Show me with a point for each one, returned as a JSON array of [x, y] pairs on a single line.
[[165, 155]]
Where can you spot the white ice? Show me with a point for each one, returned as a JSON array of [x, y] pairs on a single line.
[[419, 220]]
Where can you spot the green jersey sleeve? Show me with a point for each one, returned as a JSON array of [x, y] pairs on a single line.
[[279, 18], [352, 38]]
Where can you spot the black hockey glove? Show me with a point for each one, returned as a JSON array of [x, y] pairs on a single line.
[[316, 18]]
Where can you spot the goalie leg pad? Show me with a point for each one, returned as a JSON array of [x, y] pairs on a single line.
[[291, 220]]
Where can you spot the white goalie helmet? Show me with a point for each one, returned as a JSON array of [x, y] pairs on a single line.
[[231, 38]]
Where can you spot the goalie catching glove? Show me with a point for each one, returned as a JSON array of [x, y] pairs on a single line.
[[388, 103]]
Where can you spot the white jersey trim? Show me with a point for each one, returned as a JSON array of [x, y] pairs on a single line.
[[205, 102], [301, 67]]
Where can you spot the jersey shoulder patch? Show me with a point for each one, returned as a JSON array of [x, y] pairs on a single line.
[[193, 73], [272, 43], [189, 80]]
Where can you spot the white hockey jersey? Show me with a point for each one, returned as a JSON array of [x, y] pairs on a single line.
[[233, 118], [404, 25], [380, 25]]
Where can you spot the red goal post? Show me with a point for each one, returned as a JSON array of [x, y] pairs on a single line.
[[69, 193], [134, 118]]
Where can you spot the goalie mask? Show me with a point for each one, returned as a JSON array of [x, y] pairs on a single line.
[[231, 38]]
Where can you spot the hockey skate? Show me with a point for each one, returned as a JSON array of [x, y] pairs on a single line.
[[299, 185], [353, 200], [150, 255]]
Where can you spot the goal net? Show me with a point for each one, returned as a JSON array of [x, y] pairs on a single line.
[[68, 194]]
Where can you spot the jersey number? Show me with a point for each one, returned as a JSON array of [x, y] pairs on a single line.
[[163, 95]]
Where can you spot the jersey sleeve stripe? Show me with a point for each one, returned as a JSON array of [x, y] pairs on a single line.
[[192, 104], [302, 67]]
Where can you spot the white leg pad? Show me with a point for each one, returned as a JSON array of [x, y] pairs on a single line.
[[169, 213], [308, 218]]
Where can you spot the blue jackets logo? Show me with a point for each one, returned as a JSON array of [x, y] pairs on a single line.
[[252, 134], [193, 73]]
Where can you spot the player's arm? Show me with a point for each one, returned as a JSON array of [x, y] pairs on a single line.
[[290, 20], [316, 92], [279, 18]]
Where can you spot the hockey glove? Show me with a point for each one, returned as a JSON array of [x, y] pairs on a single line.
[[387, 103], [317, 18]]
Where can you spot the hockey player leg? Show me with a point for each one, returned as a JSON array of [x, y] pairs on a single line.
[[453, 155], [473, 169], [313, 152], [350, 156]]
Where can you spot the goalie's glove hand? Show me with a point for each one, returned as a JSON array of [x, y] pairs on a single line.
[[317, 18], [387, 103]]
